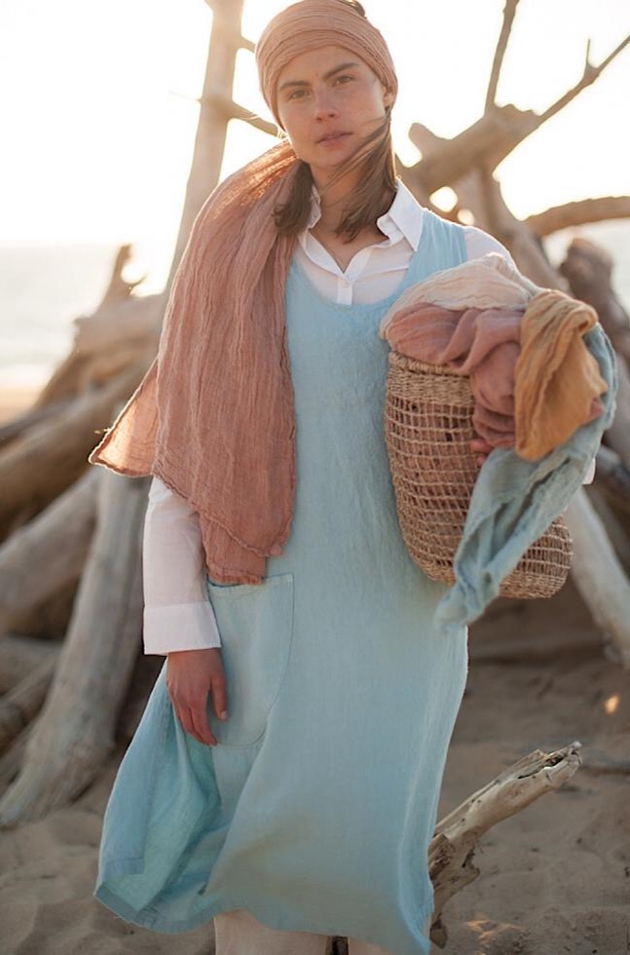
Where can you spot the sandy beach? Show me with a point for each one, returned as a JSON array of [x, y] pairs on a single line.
[[554, 879]]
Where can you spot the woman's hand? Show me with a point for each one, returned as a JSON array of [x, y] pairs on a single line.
[[190, 676], [481, 449]]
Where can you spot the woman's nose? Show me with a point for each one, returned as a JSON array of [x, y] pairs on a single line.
[[324, 105]]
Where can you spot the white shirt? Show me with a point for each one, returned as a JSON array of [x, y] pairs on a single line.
[[177, 613]]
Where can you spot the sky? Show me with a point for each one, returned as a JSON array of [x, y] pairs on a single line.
[[98, 106]]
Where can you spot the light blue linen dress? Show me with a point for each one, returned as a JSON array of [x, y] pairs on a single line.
[[316, 810]]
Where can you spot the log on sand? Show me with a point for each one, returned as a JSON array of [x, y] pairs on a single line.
[[48, 553], [457, 835], [75, 731], [19, 656], [36, 468], [18, 707]]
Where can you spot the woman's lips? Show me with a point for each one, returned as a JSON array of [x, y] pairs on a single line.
[[331, 139]]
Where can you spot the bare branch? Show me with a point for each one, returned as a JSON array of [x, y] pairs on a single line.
[[579, 213], [456, 836], [590, 74], [233, 111], [509, 12], [488, 141], [120, 288]]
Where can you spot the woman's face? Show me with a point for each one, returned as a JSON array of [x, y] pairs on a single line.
[[329, 100]]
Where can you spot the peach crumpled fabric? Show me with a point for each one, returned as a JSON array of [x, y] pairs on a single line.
[[533, 379]]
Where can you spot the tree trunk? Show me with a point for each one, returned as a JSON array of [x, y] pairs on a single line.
[[46, 555], [599, 576], [75, 731]]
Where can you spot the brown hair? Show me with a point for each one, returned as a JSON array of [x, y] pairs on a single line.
[[370, 199]]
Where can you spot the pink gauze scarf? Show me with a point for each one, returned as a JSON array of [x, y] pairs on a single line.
[[214, 416]]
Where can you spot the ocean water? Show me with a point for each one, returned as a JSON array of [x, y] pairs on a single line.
[[42, 289]]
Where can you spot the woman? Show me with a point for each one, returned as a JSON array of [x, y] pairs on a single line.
[[294, 795]]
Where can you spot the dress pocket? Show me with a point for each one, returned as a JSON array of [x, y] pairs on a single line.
[[255, 623]]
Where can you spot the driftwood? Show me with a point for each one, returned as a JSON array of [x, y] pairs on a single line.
[[488, 141], [51, 456], [75, 732], [35, 415], [573, 214], [48, 620], [112, 349], [457, 835], [613, 478], [617, 533], [589, 272], [18, 707], [618, 435], [43, 557], [599, 576], [588, 269], [122, 331], [11, 761], [205, 169], [19, 656]]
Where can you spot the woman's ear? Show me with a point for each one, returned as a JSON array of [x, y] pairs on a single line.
[[388, 98]]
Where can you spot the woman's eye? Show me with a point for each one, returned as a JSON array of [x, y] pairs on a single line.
[[297, 94], [344, 79]]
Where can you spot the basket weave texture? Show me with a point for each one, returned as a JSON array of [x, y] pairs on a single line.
[[428, 429]]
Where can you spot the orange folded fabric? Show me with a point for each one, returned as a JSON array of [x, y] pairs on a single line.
[[558, 382]]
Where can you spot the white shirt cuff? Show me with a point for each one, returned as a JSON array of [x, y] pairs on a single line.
[[174, 627]]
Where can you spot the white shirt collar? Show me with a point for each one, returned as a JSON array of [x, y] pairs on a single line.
[[402, 219]]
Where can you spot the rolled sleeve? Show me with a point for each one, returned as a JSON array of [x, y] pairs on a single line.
[[178, 614]]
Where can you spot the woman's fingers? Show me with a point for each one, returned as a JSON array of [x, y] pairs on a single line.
[[481, 445], [201, 728], [219, 696], [481, 449], [191, 676], [184, 717]]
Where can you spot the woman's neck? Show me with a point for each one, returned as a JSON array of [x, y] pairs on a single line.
[[333, 198]]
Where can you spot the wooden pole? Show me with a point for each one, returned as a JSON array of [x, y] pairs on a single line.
[[225, 40]]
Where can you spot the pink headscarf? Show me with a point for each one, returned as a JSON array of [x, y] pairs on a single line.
[[214, 415], [310, 25]]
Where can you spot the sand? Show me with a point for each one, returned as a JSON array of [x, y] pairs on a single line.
[[554, 879]]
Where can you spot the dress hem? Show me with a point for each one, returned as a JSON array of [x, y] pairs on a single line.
[[146, 918]]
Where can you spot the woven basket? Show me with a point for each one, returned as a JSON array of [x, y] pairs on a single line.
[[428, 429]]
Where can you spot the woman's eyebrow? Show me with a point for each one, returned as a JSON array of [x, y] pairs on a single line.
[[327, 76]]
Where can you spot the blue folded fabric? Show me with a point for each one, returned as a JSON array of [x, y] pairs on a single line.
[[514, 502]]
